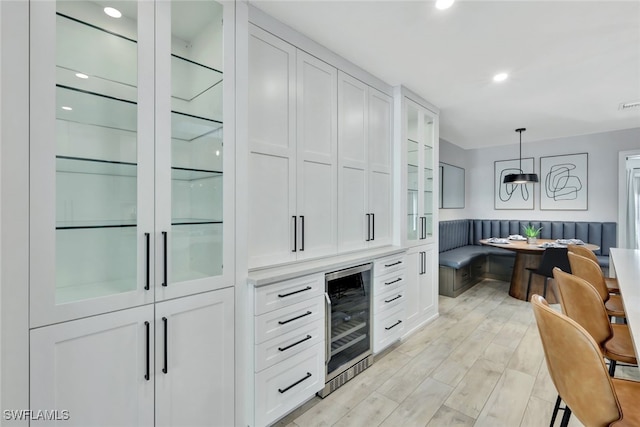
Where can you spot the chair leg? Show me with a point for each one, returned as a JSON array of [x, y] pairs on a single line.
[[612, 367], [528, 286], [565, 417], [544, 291], [555, 411]]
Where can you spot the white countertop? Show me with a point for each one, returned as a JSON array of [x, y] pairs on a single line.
[[626, 263], [266, 276]]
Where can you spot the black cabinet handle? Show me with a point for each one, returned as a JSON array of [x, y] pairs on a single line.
[[164, 245], [295, 234], [394, 325], [368, 227], [284, 322], [302, 232], [393, 299], [307, 338], [148, 268], [392, 264], [165, 369], [146, 375], [393, 281], [373, 226], [308, 288], [284, 390], [422, 263]]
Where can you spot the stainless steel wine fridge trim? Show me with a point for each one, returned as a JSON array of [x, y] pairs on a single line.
[[343, 377]]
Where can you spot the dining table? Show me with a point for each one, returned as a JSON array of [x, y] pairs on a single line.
[[625, 264], [528, 255]]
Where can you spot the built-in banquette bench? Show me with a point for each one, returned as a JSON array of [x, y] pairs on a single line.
[[464, 262]]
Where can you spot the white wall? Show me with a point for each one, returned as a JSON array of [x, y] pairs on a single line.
[[456, 156], [603, 151]]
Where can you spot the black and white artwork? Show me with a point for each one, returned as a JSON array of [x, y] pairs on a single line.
[[512, 196], [563, 182]]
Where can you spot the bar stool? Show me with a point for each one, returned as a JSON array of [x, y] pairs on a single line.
[[590, 271], [551, 257], [612, 282], [579, 374]]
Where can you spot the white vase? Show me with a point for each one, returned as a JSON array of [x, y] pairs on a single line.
[[532, 240]]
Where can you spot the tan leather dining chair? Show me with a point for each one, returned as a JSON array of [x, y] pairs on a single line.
[[612, 282], [581, 302], [590, 271], [579, 374]]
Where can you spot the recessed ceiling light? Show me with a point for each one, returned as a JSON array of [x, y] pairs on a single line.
[[629, 105], [500, 77], [112, 12], [444, 4], [81, 76], [67, 108]]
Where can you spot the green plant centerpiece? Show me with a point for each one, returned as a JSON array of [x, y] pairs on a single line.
[[531, 233]]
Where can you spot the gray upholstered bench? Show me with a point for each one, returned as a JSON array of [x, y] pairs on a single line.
[[464, 262]]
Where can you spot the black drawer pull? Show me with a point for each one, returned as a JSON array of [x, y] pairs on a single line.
[[146, 375], [308, 288], [393, 299], [295, 343], [393, 281], [294, 318], [393, 263], [394, 325], [294, 384]]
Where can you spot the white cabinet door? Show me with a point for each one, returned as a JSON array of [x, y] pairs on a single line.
[[91, 187], [194, 150], [421, 286], [194, 363], [316, 157], [272, 112], [353, 215], [380, 178], [99, 369]]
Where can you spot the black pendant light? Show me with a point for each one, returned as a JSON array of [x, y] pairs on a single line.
[[520, 178]]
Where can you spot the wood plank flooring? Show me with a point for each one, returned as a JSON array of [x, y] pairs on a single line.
[[479, 364]]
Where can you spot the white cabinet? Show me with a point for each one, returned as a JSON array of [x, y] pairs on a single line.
[[128, 200], [421, 286], [289, 339], [194, 360], [364, 165], [389, 300], [98, 369], [292, 159], [104, 371]]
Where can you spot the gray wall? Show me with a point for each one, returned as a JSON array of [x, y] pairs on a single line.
[[603, 151]]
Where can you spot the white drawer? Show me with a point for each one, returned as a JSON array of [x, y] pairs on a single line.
[[287, 319], [387, 300], [386, 283], [282, 294], [284, 346], [388, 264], [388, 328], [284, 386]]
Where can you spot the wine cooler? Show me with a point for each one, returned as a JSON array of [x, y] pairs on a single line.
[[348, 325]]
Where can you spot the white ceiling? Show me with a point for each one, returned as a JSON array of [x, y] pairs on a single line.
[[571, 63]]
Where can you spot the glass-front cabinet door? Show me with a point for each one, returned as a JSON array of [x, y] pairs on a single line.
[[126, 158], [420, 136], [191, 214]]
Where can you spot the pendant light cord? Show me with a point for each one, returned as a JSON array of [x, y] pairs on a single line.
[[520, 130]]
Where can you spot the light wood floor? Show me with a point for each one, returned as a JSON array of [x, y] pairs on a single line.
[[479, 364]]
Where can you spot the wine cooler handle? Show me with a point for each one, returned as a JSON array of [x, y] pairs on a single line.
[[165, 369], [164, 246], [148, 268], [146, 325], [373, 226], [327, 355]]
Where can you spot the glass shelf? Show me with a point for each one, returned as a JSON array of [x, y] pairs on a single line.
[[188, 174], [187, 127], [198, 79], [71, 225], [95, 166], [194, 221]]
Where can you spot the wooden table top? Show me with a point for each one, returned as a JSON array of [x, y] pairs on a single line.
[[523, 246], [626, 263]]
